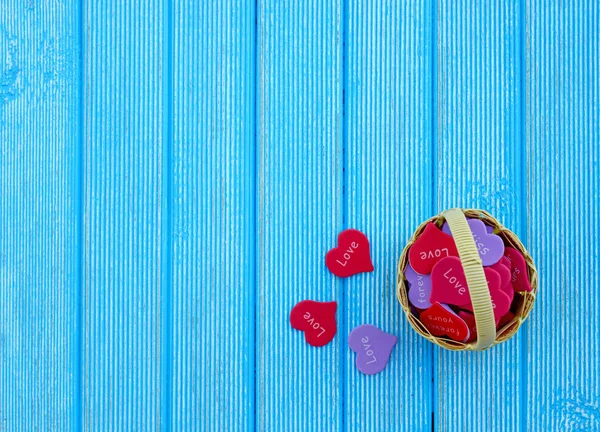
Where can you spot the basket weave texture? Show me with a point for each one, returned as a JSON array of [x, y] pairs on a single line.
[[523, 300]]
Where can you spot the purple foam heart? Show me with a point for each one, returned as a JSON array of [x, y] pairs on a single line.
[[446, 228], [372, 346], [420, 288], [490, 246]]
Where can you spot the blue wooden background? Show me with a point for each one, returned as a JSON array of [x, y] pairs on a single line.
[[173, 173]]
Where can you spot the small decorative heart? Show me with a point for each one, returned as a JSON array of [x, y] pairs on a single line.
[[372, 346], [518, 270], [351, 256], [489, 245], [504, 273], [316, 320], [431, 246], [440, 320], [449, 283], [420, 288]]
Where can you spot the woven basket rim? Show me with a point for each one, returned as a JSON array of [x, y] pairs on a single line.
[[527, 299]]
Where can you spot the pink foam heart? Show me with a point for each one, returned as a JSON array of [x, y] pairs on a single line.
[[431, 246], [505, 284], [448, 283], [440, 320], [519, 277], [500, 300]]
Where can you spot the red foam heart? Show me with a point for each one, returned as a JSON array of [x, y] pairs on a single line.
[[351, 256], [316, 320], [508, 317], [431, 246], [448, 283], [469, 319], [440, 320], [505, 284], [518, 270], [505, 262]]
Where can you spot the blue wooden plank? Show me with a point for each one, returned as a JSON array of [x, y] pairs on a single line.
[[389, 193], [563, 150], [124, 196], [479, 165], [213, 216], [39, 214], [299, 209]]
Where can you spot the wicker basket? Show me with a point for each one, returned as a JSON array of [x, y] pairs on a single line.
[[523, 300]]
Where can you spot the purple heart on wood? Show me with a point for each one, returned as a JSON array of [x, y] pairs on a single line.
[[420, 288], [372, 346], [490, 246]]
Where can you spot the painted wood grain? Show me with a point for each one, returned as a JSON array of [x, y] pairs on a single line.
[[39, 215], [299, 209], [172, 174], [563, 151], [389, 192], [214, 241], [479, 165], [124, 144]]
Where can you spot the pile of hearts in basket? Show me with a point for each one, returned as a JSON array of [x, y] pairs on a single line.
[[437, 287]]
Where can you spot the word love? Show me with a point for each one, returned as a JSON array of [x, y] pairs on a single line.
[[372, 346], [351, 256], [431, 246], [316, 320], [489, 245], [419, 290], [449, 283]]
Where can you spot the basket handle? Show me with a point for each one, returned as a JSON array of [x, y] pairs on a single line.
[[476, 282]]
